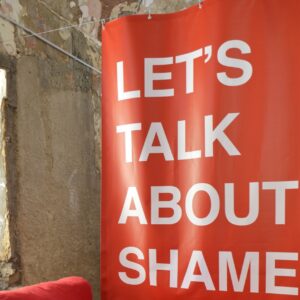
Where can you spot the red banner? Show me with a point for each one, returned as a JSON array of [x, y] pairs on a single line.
[[201, 153]]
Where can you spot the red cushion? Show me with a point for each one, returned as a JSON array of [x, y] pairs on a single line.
[[71, 288]]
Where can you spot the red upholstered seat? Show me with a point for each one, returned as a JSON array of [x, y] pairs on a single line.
[[71, 288]]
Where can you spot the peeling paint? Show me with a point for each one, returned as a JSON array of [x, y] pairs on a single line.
[[164, 6], [72, 4], [7, 32], [91, 11], [11, 8], [124, 9], [65, 34], [6, 271]]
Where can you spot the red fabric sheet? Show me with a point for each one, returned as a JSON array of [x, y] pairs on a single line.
[[71, 288]]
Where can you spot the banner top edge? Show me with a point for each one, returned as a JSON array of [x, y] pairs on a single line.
[[158, 16]]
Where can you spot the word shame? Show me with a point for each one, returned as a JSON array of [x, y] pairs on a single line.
[[197, 271]]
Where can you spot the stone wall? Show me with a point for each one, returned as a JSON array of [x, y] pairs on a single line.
[[52, 134]]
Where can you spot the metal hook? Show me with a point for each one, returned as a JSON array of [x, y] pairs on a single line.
[[103, 23], [149, 14]]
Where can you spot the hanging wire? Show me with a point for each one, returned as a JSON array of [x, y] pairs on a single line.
[[38, 35], [65, 27], [46, 41], [100, 21], [59, 29]]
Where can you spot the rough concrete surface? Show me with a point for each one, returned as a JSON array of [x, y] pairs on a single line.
[[58, 214]]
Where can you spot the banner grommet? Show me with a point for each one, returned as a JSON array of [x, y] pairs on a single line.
[[149, 14], [103, 24]]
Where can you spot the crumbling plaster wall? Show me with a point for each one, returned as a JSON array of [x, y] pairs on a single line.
[[52, 139]]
